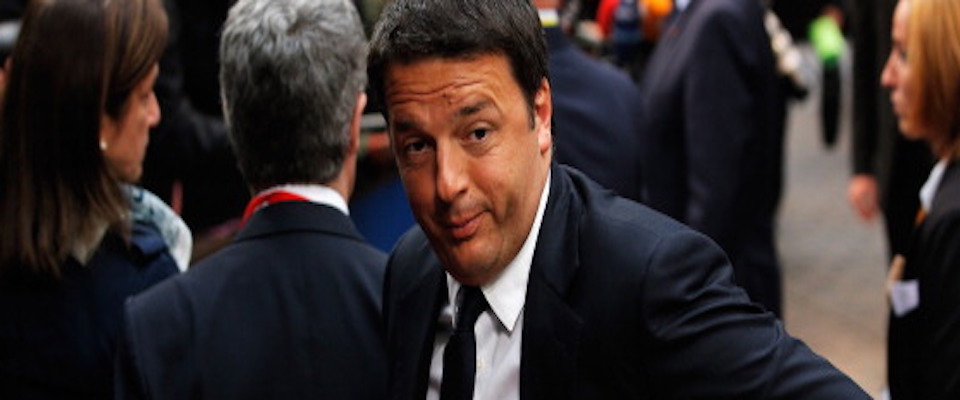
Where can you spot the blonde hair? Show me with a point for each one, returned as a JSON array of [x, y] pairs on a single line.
[[934, 58]]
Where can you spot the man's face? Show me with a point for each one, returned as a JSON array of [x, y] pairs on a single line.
[[472, 162]]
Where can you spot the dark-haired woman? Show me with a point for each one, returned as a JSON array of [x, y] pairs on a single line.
[[76, 237]]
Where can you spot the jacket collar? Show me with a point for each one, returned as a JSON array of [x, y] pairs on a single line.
[[548, 363], [298, 216], [418, 309]]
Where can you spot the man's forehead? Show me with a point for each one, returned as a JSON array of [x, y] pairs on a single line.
[[448, 79]]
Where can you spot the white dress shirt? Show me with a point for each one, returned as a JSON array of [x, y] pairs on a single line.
[[929, 188], [499, 329]]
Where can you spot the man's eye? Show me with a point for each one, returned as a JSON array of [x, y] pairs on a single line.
[[415, 147], [478, 134]]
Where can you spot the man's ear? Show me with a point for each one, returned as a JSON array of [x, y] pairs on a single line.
[[354, 144], [543, 116]]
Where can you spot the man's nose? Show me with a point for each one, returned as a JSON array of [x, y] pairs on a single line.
[[451, 172]]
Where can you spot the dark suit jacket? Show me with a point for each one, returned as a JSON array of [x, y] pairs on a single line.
[[924, 344], [596, 115], [622, 303], [289, 310], [713, 142], [58, 337]]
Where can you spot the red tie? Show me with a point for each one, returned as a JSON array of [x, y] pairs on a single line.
[[265, 199]]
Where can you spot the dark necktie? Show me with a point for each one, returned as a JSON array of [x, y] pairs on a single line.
[[460, 355]]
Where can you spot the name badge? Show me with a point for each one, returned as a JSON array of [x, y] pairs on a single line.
[[904, 296]]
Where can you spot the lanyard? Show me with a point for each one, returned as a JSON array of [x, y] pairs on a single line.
[[265, 199]]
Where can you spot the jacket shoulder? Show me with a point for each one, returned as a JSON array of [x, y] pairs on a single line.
[[411, 257]]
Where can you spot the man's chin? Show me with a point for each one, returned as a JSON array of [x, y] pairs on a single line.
[[467, 270]]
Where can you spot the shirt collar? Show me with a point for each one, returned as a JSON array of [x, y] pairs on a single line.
[[929, 189], [319, 194], [508, 293]]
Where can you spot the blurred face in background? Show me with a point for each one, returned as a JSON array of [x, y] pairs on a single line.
[[124, 139], [898, 77]]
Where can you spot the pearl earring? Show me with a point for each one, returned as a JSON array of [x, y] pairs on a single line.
[[103, 145]]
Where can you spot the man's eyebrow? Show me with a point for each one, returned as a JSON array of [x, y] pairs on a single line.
[[473, 109], [404, 125]]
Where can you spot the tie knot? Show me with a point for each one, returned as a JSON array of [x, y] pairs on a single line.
[[472, 304]]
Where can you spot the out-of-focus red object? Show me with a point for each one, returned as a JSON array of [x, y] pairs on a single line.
[[654, 12]]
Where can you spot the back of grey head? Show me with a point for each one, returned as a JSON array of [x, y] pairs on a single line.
[[291, 71]]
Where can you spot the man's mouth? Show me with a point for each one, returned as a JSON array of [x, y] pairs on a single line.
[[463, 229]]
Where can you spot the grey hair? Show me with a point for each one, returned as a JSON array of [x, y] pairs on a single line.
[[290, 75]]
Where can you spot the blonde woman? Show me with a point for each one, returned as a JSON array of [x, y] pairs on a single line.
[[923, 74]]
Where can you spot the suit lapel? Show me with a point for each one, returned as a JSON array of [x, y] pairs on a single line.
[[416, 321], [552, 329], [947, 193]]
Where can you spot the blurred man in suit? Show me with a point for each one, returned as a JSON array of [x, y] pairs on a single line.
[[527, 280], [713, 142], [291, 308], [597, 110]]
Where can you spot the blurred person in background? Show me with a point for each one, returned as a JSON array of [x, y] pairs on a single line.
[[597, 109], [888, 167], [630, 29], [712, 142], [923, 74], [76, 238]]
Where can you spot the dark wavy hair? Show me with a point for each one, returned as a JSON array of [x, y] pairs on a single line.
[[74, 61], [414, 30]]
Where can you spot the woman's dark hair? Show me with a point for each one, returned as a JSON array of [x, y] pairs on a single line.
[[74, 61]]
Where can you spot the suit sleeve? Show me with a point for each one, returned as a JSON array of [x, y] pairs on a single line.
[[705, 331], [722, 117]]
